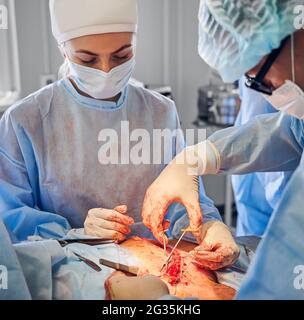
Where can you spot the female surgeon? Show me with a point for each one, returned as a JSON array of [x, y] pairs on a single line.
[[259, 39], [52, 171]]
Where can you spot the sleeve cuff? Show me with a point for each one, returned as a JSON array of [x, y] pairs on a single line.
[[210, 158]]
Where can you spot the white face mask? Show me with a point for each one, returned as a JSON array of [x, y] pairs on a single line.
[[289, 98], [99, 84]]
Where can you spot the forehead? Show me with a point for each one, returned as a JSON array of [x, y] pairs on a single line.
[[102, 43]]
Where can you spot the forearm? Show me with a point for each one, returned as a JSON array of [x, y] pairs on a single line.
[[22, 216], [25, 221], [19, 192], [265, 144]]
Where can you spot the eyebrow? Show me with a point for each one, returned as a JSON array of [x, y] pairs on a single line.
[[123, 48], [87, 52], [96, 55]]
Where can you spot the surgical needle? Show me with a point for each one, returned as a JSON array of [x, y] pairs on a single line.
[[174, 248], [177, 243]]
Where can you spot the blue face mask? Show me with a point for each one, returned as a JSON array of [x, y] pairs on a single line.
[[99, 84]]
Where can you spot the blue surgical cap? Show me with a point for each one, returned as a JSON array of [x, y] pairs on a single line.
[[234, 35]]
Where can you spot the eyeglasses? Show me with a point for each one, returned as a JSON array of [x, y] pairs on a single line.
[[257, 82]]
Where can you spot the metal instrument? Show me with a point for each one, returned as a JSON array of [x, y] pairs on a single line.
[[89, 242], [119, 266], [174, 248], [88, 262]]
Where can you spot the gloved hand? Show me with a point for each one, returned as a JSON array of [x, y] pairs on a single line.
[[108, 224], [218, 248], [179, 183], [121, 287]]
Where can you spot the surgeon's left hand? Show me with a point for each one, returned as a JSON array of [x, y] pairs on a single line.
[[217, 249], [108, 224]]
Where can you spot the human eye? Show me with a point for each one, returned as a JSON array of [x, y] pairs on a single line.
[[123, 55], [87, 59], [89, 62]]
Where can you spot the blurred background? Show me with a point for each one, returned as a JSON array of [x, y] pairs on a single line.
[[167, 61]]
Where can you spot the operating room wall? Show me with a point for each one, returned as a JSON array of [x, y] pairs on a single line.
[[166, 54]]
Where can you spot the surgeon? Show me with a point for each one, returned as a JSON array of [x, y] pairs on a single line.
[[53, 173], [262, 44], [256, 194]]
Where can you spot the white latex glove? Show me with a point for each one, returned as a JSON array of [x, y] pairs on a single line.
[[217, 249], [179, 183], [122, 287], [108, 224]]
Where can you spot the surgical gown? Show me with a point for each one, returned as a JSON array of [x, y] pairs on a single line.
[[50, 174], [13, 285], [277, 271], [272, 143], [256, 194]]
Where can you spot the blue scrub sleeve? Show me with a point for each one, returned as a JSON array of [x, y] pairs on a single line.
[[19, 192], [277, 271], [265, 144]]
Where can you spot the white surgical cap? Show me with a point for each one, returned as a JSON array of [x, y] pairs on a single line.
[[234, 35], [76, 18]]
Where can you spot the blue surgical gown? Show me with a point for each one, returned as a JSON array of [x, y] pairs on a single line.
[[13, 285], [50, 174], [277, 271], [269, 143], [256, 194]]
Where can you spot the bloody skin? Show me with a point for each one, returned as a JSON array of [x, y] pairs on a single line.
[[173, 270], [183, 277]]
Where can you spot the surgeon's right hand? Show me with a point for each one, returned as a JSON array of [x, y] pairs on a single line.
[[179, 183], [108, 224]]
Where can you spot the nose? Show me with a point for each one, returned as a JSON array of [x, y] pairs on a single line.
[[105, 66]]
